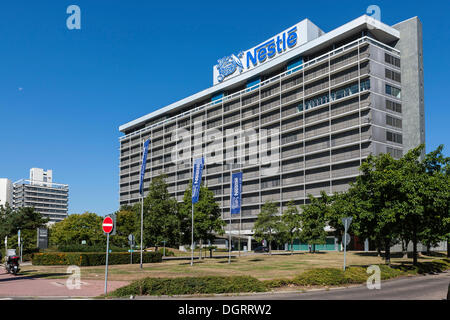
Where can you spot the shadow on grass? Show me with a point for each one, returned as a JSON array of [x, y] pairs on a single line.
[[226, 261], [256, 260]]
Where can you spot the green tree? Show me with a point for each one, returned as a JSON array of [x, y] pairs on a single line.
[[266, 223], [424, 191], [313, 220], [379, 201], [343, 205], [126, 224], [207, 216], [27, 220], [291, 224], [76, 228], [160, 215]]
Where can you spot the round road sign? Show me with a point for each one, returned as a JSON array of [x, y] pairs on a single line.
[[107, 225]]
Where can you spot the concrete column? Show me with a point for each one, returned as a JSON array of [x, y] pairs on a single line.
[[249, 243]]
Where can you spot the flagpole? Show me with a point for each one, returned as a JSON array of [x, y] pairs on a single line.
[[192, 238], [142, 223], [192, 214], [229, 226], [141, 188]]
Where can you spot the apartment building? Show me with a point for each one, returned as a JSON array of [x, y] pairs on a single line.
[[48, 198]]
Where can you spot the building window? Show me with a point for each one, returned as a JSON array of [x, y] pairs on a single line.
[[395, 76], [394, 137], [393, 122], [392, 60], [393, 91], [393, 106], [395, 153]]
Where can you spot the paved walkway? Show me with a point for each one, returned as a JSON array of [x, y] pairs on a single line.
[[26, 286]]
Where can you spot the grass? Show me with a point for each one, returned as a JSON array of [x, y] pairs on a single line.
[[235, 284], [260, 266]]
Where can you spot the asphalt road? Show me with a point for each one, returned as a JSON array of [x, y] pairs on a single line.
[[423, 287]]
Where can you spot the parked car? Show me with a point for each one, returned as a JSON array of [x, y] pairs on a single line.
[[261, 249]]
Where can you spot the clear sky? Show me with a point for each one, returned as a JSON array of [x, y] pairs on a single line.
[[64, 93]]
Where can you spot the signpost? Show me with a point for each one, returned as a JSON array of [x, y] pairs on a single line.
[[108, 227], [346, 221], [131, 243], [19, 242]]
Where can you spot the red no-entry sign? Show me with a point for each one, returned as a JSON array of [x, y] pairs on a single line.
[[107, 225]]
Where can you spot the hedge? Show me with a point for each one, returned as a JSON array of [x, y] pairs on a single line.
[[91, 258], [190, 285], [356, 275], [89, 248]]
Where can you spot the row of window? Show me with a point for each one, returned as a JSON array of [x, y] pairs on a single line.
[[395, 153], [393, 106], [393, 91], [335, 94], [394, 137], [392, 60], [394, 122], [390, 74]]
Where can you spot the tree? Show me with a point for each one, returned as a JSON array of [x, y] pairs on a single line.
[[25, 219], [313, 220], [378, 201], [126, 224], [425, 192], [160, 215], [267, 223], [76, 228], [343, 205], [290, 224], [207, 216]]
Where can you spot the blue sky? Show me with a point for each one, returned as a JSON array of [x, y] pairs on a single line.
[[64, 93]]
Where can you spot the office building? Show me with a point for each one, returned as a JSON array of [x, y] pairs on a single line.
[[297, 114]]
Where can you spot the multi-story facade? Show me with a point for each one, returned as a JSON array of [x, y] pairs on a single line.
[[48, 198], [298, 116], [5, 192]]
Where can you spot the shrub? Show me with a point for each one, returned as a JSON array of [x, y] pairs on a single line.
[[86, 248], [322, 276], [92, 259], [168, 252], [191, 285]]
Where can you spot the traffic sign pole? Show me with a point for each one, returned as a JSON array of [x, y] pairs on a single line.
[[108, 228], [106, 266]]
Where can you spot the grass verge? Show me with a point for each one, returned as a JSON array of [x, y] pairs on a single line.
[[245, 284]]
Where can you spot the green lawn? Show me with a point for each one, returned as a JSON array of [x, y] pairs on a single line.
[[260, 266]]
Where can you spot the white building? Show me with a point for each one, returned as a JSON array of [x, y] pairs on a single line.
[[5, 191], [38, 175], [40, 192]]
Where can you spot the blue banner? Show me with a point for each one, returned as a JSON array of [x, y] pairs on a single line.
[[197, 178], [144, 163], [236, 192]]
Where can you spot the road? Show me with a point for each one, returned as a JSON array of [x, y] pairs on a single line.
[[422, 287], [33, 287]]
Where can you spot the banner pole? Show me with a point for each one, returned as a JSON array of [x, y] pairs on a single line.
[[142, 224], [192, 237], [229, 226]]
